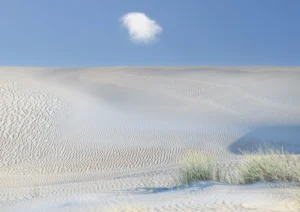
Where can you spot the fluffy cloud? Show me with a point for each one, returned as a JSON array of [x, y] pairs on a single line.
[[140, 27]]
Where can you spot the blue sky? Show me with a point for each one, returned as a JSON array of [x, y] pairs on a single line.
[[193, 32]]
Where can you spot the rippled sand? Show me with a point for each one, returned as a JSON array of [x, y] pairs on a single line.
[[82, 138]]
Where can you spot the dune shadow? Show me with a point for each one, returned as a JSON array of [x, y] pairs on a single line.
[[286, 137], [192, 187]]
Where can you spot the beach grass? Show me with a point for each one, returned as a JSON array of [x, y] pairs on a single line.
[[265, 164], [269, 165], [197, 168]]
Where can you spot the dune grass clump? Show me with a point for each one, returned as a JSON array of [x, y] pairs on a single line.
[[263, 165], [269, 165], [204, 168], [197, 168]]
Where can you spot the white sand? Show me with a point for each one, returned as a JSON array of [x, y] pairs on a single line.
[[82, 138]]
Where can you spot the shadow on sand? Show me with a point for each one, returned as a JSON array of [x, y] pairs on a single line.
[[275, 137], [192, 187]]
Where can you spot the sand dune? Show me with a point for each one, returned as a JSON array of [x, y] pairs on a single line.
[[77, 138]]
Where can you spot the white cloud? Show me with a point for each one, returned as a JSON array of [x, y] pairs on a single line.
[[140, 27]]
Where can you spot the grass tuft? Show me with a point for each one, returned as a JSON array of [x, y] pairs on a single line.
[[264, 165], [269, 165], [197, 168]]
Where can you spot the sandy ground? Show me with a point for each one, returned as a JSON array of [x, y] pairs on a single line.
[[110, 139]]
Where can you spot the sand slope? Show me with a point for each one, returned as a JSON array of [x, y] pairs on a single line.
[[70, 133]]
